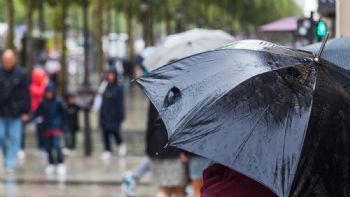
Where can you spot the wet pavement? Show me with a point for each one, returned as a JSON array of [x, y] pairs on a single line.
[[86, 176]]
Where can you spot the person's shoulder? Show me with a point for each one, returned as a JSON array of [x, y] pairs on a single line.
[[19, 71], [59, 101], [120, 85]]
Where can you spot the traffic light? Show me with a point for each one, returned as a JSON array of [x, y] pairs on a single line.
[[321, 28], [306, 29]]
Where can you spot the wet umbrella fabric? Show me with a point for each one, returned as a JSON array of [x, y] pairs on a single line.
[[268, 112], [337, 51]]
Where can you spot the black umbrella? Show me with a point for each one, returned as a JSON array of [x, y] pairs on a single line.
[[269, 112], [336, 51]]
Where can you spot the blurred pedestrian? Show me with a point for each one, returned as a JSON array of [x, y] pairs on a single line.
[[14, 108], [131, 178], [196, 165], [168, 172], [72, 110], [52, 111], [37, 92], [112, 113], [222, 181]]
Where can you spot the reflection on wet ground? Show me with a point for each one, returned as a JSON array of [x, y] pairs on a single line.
[[85, 177]]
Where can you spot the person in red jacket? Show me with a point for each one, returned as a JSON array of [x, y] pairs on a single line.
[[221, 181], [37, 92], [37, 87]]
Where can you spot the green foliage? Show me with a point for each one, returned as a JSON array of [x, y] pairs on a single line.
[[237, 15]]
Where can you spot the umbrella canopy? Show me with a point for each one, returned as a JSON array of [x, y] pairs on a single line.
[[337, 51], [184, 44], [268, 112]]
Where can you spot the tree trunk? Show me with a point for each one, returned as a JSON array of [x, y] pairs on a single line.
[[131, 30], [28, 52], [63, 72], [109, 20], [10, 22], [99, 35], [150, 28], [167, 17], [41, 17], [147, 25]]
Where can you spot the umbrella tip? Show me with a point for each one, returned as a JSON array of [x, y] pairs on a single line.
[[166, 145], [317, 57]]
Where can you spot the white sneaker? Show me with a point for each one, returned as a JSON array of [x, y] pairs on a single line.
[[128, 185], [61, 169], [66, 151], [49, 169], [21, 155], [106, 156], [72, 153], [122, 150]]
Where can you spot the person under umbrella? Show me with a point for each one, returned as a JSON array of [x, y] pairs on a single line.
[[222, 181], [271, 113], [174, 47], [168, 171]]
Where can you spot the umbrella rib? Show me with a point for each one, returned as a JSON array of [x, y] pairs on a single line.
[[250, 133], [195, 138], [283, 152]]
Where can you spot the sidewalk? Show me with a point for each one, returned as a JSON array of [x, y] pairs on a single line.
[[86, 176]]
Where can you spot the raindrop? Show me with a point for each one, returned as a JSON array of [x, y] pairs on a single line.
[[157, 153], [270, 62]]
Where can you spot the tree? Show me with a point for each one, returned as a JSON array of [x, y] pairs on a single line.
[[147, 19], [10, 23], [63, 72], [167, 17], [98, 14], [129, 10], [29, 38]]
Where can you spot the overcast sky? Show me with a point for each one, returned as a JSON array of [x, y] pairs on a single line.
[[307, 6]]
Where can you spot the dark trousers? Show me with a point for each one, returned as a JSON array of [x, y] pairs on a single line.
[[53, 149], [70, 138], [107, 134], [39, 135], [23, 140]]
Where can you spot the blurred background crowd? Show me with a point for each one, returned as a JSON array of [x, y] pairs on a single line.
[[66, 82]]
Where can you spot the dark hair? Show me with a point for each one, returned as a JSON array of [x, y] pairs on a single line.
[[111, 61]]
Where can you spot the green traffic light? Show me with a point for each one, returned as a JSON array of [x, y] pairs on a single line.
[[321, 29]]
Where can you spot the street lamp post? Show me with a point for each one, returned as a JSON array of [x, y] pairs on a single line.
[[86, 92]]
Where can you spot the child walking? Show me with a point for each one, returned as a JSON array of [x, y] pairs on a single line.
[[72, 111], [52, 111]]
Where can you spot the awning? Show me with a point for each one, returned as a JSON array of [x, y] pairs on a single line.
[[287, 24]]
